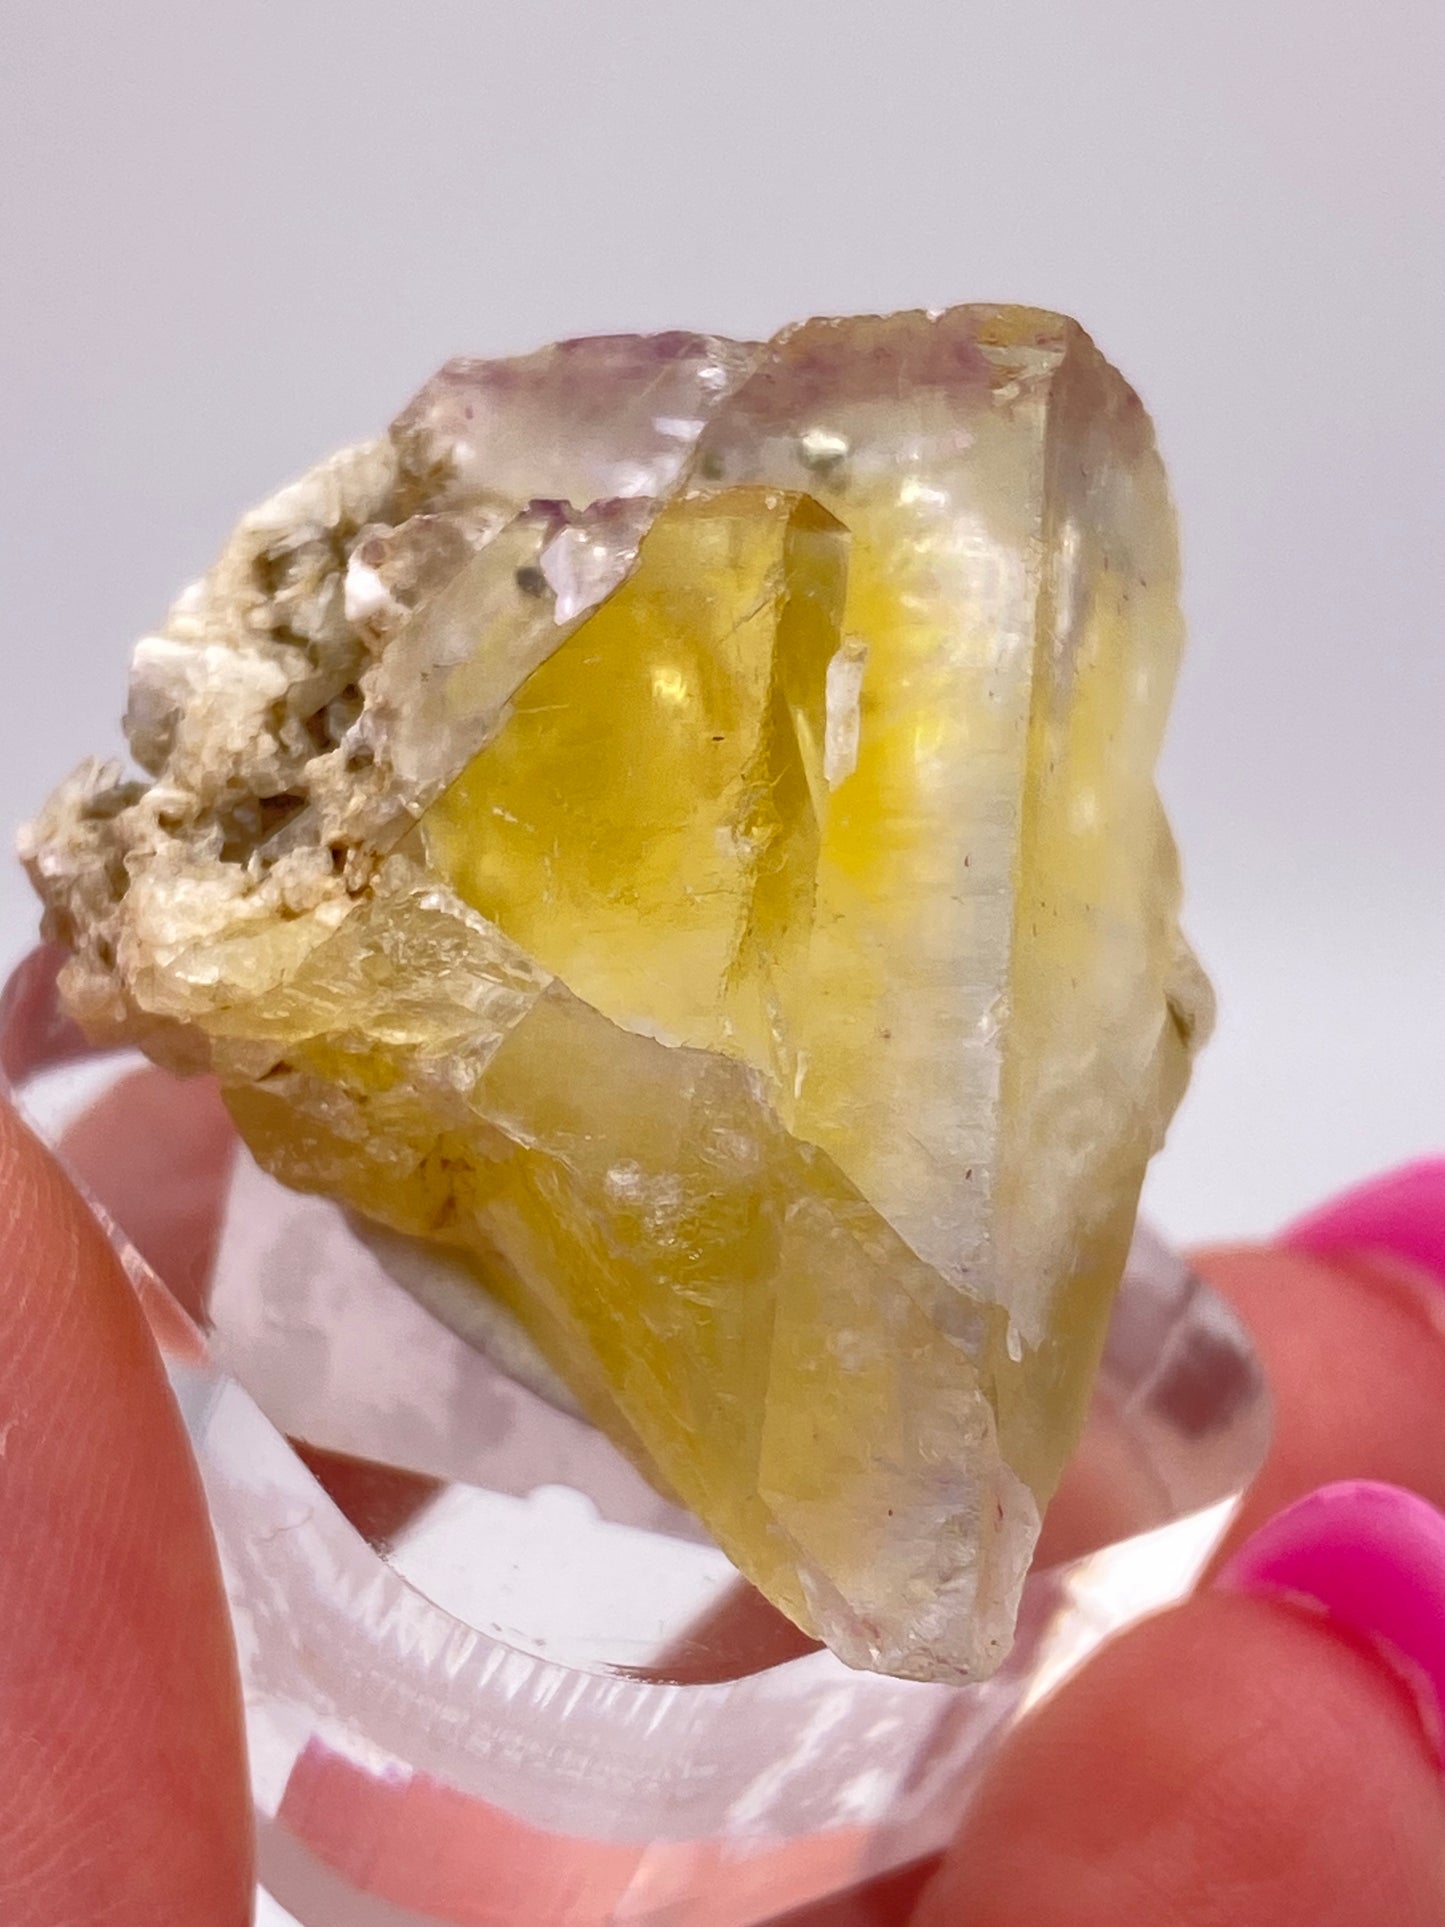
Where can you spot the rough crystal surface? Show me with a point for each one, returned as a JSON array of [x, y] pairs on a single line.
[[673, 823], [606, 417]]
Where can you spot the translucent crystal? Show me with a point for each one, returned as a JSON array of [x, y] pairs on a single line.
[[580, 422], [727, 911], [646, 820]]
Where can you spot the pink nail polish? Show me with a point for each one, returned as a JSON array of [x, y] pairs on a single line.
[[1371, 1558], [1400, 1215]]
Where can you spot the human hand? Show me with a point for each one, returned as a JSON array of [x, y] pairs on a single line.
[[1238, 1761], [123, 1792]]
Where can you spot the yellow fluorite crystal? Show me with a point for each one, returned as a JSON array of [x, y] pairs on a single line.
[[674, 825]]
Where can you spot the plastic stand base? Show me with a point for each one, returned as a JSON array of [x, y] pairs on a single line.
[[493, 1680]]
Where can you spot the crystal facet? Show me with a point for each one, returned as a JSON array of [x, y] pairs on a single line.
[[672, 828], [646, 821]]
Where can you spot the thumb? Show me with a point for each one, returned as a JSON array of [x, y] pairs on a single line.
[[123, 1800]]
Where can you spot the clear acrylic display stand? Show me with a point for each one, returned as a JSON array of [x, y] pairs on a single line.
[[493, 1680]]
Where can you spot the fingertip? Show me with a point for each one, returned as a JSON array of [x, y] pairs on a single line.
[[1369, 1558], [1235, 1763], [1398, 1214], [1353, 1349]]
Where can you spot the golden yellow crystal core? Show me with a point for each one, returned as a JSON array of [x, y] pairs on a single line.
[[731, 907], [646, 822]]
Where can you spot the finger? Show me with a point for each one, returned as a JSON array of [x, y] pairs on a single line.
[[1235, 1763], [1352, 1339], [157, 1152], [123, 1796]]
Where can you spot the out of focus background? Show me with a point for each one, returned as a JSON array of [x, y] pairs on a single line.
[[232, 238]]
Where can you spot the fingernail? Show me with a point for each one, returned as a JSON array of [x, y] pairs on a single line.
[[1400, 1215], [1371, 1559]]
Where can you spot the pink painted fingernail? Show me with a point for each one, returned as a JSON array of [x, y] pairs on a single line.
[[1400, 1215], [1370, 1558]]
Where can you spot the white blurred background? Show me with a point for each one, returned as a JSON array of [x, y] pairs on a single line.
[[234, 237]]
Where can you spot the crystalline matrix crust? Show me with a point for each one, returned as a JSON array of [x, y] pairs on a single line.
[[672, 825]]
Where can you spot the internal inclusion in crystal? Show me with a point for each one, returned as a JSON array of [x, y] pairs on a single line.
[[781, 992]]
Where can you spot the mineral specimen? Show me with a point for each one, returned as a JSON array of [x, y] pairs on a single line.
[[673, 825]]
